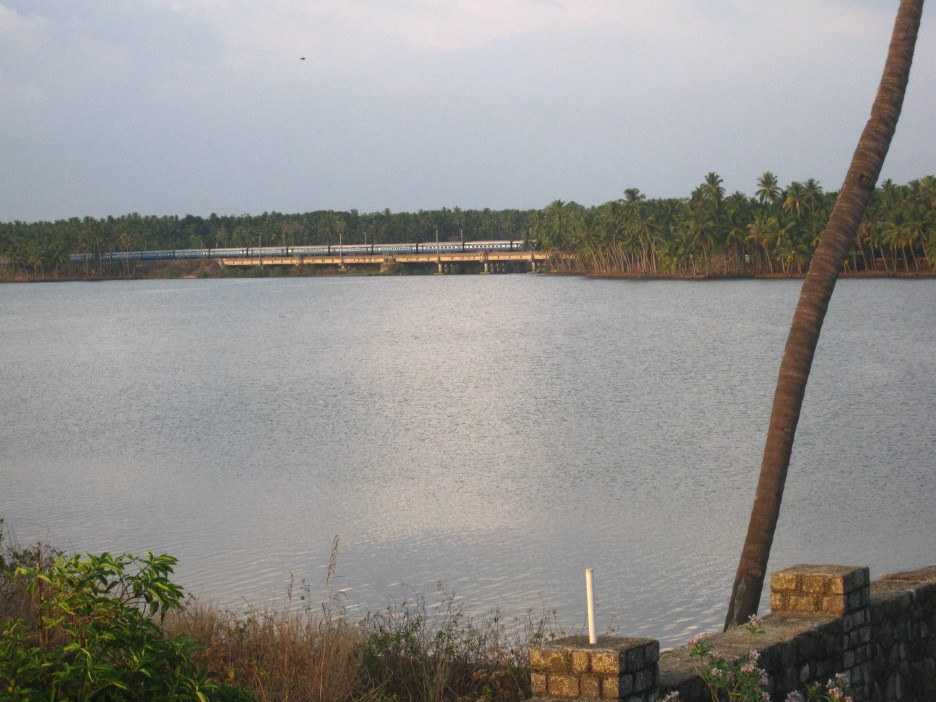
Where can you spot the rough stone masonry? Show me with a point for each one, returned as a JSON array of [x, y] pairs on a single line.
[[613, 669], [825, 620]]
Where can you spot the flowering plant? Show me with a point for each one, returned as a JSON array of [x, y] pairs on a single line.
[[741, 680], [745, 681], [755, 624], [835, 690]]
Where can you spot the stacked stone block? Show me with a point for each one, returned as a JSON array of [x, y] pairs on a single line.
[[613, 669], [831, 591]]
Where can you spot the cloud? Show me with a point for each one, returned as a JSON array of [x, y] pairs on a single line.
[[21, 36], [201, 105], [347, 25], [21, 30]]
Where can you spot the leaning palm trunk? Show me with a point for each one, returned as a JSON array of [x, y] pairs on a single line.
[[837, 238]]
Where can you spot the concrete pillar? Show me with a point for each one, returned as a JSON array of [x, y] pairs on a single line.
[[613, 669]]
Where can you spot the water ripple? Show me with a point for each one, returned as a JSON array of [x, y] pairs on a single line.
[[471, 440]]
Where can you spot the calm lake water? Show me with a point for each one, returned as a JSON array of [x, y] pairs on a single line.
[[477, 437]]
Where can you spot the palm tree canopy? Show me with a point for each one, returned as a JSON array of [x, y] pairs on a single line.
[[768, 189]]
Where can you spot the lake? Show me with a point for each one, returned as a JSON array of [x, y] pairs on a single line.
[[476, 439]]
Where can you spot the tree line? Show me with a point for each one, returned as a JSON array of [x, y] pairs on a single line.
[[43, 247], [713, 233], [708, 233]]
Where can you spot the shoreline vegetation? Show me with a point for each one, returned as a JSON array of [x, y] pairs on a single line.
[[115, 627], [793, 275], [709, 235], [202, 270]]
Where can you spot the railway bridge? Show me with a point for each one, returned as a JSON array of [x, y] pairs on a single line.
[[444, 261]]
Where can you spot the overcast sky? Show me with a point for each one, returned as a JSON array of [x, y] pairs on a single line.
[[200, 106]]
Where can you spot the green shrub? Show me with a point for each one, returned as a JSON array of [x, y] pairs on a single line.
[[408, 657], [91, 634]]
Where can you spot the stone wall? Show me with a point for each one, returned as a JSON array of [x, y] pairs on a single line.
[[824, 621], [903, 636]]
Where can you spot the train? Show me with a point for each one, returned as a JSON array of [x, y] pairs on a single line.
[[320, 250]]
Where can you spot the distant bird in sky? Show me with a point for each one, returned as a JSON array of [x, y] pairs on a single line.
[[302, 58]]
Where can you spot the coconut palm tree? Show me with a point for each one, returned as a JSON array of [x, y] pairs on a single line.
[[837, 239], [714, 188], [737, 214], [633, 195], [929, 247], [794, 200], [896, 237], [812, 193], [768, 189], [760, 232]]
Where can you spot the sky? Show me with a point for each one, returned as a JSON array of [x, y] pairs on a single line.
[[200, 106]]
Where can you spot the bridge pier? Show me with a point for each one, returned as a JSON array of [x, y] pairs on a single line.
[[436, 262]]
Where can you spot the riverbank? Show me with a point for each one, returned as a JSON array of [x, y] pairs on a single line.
[[197, 269], [877, 275], [49, 601]]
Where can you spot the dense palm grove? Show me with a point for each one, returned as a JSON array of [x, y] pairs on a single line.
[[709, 233], [712, 233]]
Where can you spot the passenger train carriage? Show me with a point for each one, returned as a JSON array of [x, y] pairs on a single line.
[[320, 250]]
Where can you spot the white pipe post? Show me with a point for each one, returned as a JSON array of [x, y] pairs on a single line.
[[590, 599]]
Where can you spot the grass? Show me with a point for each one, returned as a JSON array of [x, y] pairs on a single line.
[[399, 654]]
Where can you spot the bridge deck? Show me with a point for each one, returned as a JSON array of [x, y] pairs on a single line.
[[384, 259]]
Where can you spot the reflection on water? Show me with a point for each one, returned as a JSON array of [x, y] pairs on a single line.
[[492, 434]]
